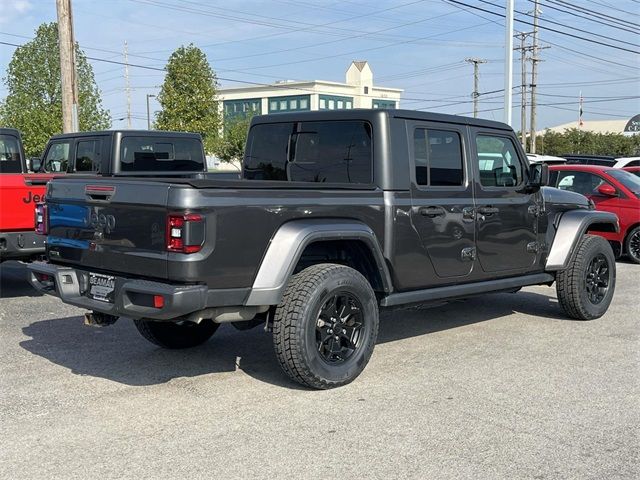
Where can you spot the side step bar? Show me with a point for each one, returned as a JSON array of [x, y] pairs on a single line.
[[465, 290]]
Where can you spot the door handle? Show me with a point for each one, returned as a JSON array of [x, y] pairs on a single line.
[[488, 210], [432, 211]]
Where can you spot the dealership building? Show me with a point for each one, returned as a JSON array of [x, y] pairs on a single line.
[[288, 96]]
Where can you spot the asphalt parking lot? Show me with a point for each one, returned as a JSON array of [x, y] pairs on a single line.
[[499, 386]]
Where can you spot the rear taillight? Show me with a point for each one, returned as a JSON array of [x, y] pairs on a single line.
[[42, 219], [185, 233]]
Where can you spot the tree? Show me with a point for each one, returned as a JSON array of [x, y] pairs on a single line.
[[230, 147], [34, 102], [189, 96], [573, 140]]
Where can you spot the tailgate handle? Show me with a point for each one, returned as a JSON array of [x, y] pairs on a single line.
[[100, 193], [35, 181]]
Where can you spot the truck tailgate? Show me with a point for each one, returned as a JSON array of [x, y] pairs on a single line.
[[19, 194], [105, 226]]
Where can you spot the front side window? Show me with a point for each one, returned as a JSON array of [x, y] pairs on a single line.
[[438, 157], [498, 162], [57, 159], [580, 182], [88, 156], [10, 155], [325, 152]]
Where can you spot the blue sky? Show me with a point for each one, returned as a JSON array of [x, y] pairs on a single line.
[[417, 45]]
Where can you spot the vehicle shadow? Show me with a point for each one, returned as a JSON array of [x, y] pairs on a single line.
[[120, 354], [14, 281]]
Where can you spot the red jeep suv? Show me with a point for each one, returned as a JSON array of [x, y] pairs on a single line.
[[611, 190]]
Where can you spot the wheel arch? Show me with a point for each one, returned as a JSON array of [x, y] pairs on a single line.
[[571, 226], [293, 245]]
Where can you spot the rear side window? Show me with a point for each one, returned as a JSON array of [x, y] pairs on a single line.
[[10, 161], [57, 159], [438, 157], [88, 156], [148, 154], [323, 152], [498, 162]]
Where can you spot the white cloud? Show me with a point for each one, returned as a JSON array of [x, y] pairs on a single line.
[[13, 10]]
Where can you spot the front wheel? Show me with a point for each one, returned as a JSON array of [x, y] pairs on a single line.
[[326, 326], [632, 245], [175, 335], [585, 288]]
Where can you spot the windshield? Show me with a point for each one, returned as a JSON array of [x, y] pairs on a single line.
[[10, 161], [627, 179]]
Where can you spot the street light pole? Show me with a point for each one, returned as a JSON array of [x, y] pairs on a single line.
[[149, 111]]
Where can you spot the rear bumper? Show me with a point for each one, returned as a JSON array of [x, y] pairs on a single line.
[[133, 298], [21, 245]]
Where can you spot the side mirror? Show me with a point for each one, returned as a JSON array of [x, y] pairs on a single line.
[[538, 175], [34, 164], [607, 190]]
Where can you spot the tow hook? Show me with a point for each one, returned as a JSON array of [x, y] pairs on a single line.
[[97, 319]]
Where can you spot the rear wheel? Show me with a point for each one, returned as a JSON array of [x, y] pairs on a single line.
[[585, 288], [326, 326], [632, 245], [175, 335]]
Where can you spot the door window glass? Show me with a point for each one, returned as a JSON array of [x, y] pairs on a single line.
[[580, 182], [9, 155], [498, 162], [438, 157], [57, 159], [88, 156]]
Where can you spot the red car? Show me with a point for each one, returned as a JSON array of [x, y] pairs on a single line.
[[634, 170], [611, 190]]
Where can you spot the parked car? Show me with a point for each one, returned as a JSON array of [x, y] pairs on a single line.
[[633, 170], [605, 160], [548, 159], [125, 152], [339, 213], [20, 190], [611, 190], [623, 162]]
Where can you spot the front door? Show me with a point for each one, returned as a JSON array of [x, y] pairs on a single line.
[[506, 215], [442, 199]]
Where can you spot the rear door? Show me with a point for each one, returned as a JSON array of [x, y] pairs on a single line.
[[442, 198], [506, 215]]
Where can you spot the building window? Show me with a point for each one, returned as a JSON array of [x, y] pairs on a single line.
[[366, 90], [242, 107], [334, 102], [288, 104], [383, 104]]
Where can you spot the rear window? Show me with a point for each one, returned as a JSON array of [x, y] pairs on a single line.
[[322, 152], [88, 155], [10, 161], [144, 154]]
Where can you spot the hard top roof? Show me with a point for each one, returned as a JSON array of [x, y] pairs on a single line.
[[123, 132], [376, 115]]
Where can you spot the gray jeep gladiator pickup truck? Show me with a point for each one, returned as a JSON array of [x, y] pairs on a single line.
[[338, 214]]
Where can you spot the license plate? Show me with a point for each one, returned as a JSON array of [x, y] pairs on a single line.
[[101, 287]]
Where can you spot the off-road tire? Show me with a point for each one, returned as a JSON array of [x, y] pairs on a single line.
[[173, 335], [632, 250], [296, 320], [571, 284]]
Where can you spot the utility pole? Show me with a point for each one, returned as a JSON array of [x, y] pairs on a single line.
[[127, 87], [523, 87], [149, 111], [534, 77], [67, 67], [476, 78], [508, 62]]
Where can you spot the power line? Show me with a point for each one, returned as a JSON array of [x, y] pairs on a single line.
[[599, 21]]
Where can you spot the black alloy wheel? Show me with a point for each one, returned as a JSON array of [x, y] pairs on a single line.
[[339, 328], [597, 279], [633, 245]]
